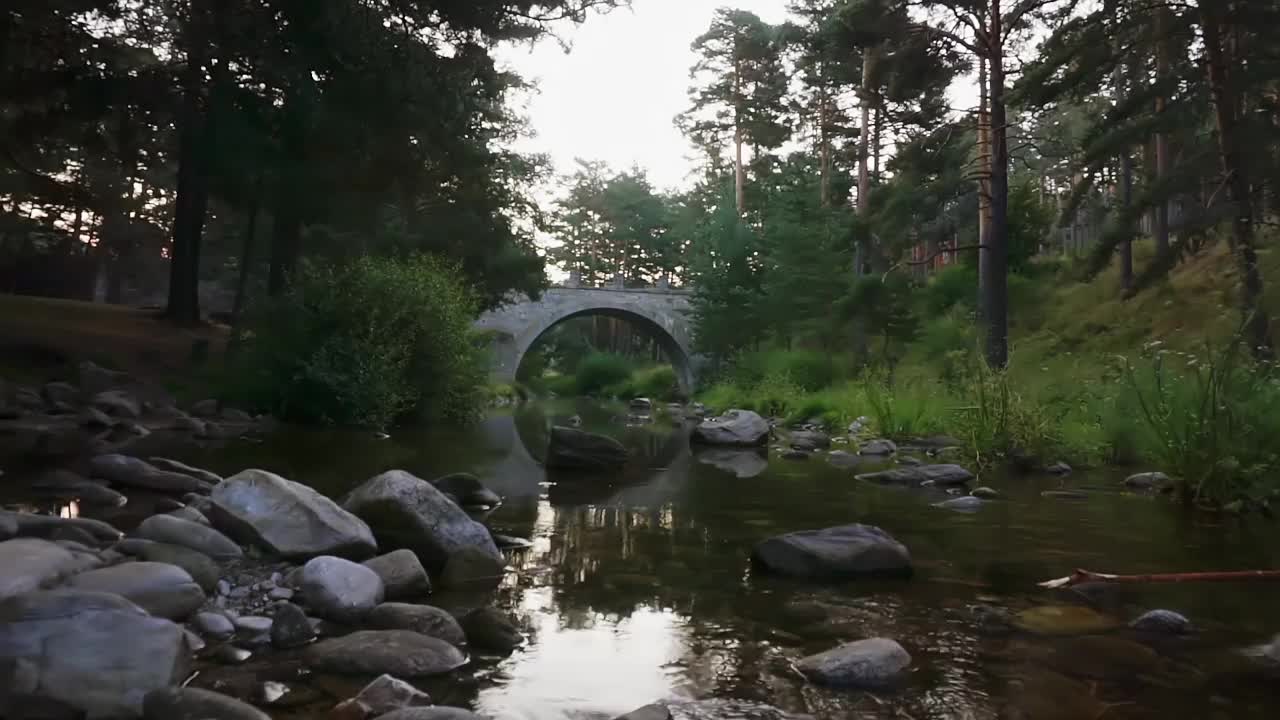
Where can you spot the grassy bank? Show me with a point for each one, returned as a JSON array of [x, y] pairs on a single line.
[[1154, 381]]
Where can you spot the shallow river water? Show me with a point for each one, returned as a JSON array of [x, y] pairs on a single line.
[[638, 587]]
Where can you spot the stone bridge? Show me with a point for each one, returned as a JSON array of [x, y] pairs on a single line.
[[662, 311]]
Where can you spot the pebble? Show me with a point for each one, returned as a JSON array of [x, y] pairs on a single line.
[[280, 594], [223, 587]]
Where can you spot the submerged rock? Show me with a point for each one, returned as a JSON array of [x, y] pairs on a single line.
[[1162, 622], [1148, 481], [945, 475], [402, 574], [837, 552], [795, 455], [161, 589], [572, 449], [1063, 620], [409, 512], [872, 663], [739, 428], [967, 503], [338, 589], [985, 493], [879, 446], [743, 463], [437, 712], [287, 518], [96, 653], [810, 440], [402, 653], [384, 695]]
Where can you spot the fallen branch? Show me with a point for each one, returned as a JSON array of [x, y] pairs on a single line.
[[1084, 576]]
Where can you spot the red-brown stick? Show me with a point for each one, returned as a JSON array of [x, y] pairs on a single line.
[[1085, 576]]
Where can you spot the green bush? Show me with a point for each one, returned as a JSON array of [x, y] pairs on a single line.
[[657, 383], [809, 369], [368, 343], [954, 286], [599, 372]]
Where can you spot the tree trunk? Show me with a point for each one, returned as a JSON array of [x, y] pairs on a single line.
[[824, 147], [995, 296], [1124, 194], [864, 134], [246, 266], [1256, 324], [1160, 218], [984, 176], [877, 123], [192, 196], [286, 230], [739, 172]]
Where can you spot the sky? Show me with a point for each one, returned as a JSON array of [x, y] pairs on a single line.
[[613, 96]]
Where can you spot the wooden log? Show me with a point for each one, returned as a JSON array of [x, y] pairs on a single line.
[[1085, 576]]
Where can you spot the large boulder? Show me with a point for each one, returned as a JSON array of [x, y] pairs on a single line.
[[338, 589], [199, 566], [68, 485], [920, 475], [189, 534], [188, 703], [161, 589], [29, 564], [837, 552], [467, 491], [133, 472], [402, 653], [402, 574], [425, 619], [96, 653], [872, 663], [739, 428], [572, 449], [287, 518], [180, 467], [409, 512], [50, 526]]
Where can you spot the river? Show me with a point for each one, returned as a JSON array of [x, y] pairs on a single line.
[[639, 587]]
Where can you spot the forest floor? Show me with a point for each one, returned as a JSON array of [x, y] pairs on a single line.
[[42, 338]]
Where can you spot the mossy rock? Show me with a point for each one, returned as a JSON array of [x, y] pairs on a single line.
[[1063, 620]]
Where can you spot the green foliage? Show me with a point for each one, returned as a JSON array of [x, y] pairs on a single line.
[[657, 383], [368, 343], [953, 286], [1210, 418], [600, 372], [810, 370]]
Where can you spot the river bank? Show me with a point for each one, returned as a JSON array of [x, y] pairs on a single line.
[[646, 574]]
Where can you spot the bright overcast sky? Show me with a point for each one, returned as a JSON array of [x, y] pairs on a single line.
[[624, 79]]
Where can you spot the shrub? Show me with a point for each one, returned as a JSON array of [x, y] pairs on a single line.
[[658, 383], [809, 369], [599, 372], [954, 286], [368, 343]]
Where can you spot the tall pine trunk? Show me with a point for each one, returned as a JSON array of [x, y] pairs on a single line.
[[739, 172], [192, 199], [824, 146], [995, 261], [1160, 218], [984, 175], [1124, 189], [1226, 100]]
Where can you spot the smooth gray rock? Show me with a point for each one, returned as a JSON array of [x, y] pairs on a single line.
[[215, 625], [879, 446], [985, 493], [252, 624], [338, 589], [1162, 622], [402, 653], [68, 485], [188, 703], [437, 712], [742, 462], [161, 589], [290, 627], [837, 552], [937, 475], [1058, 468], [132, 472], [424, 619], [402, 574], [387, 694], [810, 440], [30, 564], [573, 449], [190, 514], [287, 518], [199, 566], [489, 629], [180, 467], [94, 652], [738, 428], [1148, 481], [117, 403], [966, 504], [45, 526], [193, 535], [466, 490], [872, 663], [411, 513]]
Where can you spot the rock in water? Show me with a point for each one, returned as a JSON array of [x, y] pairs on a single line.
[[810, 440], [188, 703], [1162, 622], [185, 469], [873, 663], [985, 493], [338, 589], [438, 712], [402, 574], [290, 627], [837, 552], [489, 629], [424, 619], [879, 446], [743, 463], [287, 518], [132, 472], [920, 475], [571, 449], [654, 711], [97, 653], [1148, 481], [739, 428], [402, 653], [29, 564], [159, 588], [409, 512], [201, 538], [967, 504], [466, 490], [384, 695]]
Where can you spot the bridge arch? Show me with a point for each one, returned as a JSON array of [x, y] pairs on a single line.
[[516, 327]]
